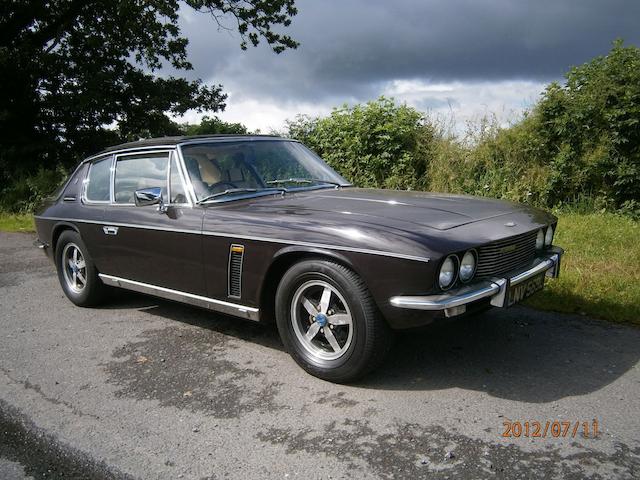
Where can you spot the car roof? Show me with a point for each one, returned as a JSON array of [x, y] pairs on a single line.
[[163, 141]]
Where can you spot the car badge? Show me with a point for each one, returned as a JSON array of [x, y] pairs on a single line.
[[508, 249], [510, 224]]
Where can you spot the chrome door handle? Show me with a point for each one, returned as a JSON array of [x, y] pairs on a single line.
[[110, 230]]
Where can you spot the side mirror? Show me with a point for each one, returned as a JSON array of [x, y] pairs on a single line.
[[150, 196]]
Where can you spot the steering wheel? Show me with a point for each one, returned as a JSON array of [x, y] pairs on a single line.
[[220, 184]]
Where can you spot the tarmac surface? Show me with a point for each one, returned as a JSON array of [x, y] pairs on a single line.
[[145, 388]]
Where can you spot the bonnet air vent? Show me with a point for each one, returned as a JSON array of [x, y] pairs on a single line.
[[235, 270]]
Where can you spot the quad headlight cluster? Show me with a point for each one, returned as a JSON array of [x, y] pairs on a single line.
[[463, 266], [544, 238], [454, 267]]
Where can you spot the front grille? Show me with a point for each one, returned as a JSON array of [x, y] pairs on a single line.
[[505, 255]]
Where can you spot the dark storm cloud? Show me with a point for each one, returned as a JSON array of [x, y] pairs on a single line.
[[350, 48]]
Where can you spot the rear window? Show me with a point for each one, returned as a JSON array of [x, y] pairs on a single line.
[[98, 181]]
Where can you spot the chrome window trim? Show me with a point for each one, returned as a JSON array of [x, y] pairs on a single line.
[[128, 150], [114, 166], [190, 190], [187, 142], [247, 237], [188, 203], [85, 181], [240, 138], [244, 311]]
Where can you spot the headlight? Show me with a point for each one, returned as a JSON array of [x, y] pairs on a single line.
[[467, 266], [540, 240], [548, 238], [447, 272]]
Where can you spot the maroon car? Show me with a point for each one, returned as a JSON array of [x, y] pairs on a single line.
[[259, 227]]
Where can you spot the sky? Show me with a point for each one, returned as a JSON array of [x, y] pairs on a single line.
[[455, 59]]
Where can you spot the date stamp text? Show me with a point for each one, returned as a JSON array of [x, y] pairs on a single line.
[[551, 429]]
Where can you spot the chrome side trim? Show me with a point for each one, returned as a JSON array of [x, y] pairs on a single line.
[[250, 313], [494, 288], [251, 238]]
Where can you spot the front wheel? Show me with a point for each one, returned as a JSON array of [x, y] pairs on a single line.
[[329, 322]]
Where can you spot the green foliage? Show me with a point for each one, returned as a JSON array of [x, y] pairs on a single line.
[[26, 192], [212, 126], [591, 127], [379, 144], [491, 161], [71, 69]]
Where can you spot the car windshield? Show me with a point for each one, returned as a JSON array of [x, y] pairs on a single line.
[[221, 169]]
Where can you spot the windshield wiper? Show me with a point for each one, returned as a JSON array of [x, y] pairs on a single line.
[[303, 180], [229, 191]]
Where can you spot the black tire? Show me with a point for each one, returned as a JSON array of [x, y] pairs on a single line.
[[371, 337], [93, 292]]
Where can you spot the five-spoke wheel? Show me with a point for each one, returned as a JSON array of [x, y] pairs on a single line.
[[74, 267], [329, 322], [322, 320], [77, 273]]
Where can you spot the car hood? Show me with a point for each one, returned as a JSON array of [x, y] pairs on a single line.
[[436, 211]]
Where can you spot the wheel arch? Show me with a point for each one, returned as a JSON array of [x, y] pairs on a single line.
[[281, 262], [57, 231]]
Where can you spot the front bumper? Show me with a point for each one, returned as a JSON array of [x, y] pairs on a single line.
[[454, 302]]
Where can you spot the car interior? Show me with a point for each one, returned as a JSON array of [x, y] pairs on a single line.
[[212, 173]]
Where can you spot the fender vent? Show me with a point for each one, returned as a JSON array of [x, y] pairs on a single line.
[[236, 254]]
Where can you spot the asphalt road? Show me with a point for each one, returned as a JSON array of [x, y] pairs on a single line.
[[144, 388]]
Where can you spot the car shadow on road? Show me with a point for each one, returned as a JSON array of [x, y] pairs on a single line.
[[518, 354]]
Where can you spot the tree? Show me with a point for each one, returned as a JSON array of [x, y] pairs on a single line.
[[71, 70], [210, 126], [590, 127]]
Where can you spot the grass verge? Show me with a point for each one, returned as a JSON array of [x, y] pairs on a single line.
[[600, 274], [16, 222]]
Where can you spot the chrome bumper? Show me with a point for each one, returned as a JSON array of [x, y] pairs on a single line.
[[454, 302]]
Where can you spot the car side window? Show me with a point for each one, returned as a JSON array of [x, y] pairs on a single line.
[[135, 172], [176, 187], [98, 181]]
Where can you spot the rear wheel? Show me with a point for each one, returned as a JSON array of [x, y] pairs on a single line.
[[328, 321], [76, 271]]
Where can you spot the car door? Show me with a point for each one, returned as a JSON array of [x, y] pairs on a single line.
[[155, 246]]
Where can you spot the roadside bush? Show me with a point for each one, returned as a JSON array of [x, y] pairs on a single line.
[[25, 193], [490, 161], [379, 144], [591, 130]]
